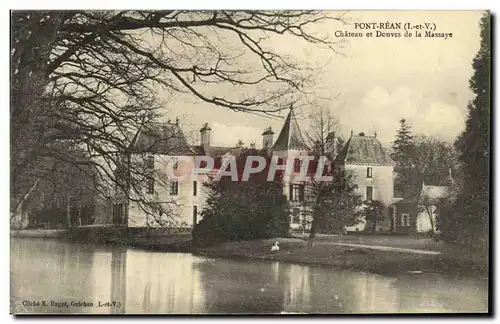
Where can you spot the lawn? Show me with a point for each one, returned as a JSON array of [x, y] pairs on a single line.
[[398, 241], [295, 250]]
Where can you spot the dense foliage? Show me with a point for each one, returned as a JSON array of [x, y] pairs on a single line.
[[403, 154], [243, 210], [374, 211], [336, 204], [466, 217], [421, 159]]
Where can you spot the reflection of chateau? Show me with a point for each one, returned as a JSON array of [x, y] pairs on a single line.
[[296, 288], [145, 282], [162, 283]]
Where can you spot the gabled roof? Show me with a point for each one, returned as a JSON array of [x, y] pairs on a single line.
[[290, 136], [408, 200], [432, 194], [428, 195], [364, 150], [162, 138]]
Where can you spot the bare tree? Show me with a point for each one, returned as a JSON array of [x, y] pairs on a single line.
[[332, 202], [428, 206], [323, 132], [89, 79]]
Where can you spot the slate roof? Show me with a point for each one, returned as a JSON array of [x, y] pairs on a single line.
[[290, 136], [432, 194], [162, 138], [364, 150], [408, 200], [217, 150], [428, 194]]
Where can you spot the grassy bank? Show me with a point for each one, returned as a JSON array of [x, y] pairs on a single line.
[[452, 259], [325, 253]]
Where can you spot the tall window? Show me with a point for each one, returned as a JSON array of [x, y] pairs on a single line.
[[175, 164], [195, 188], [150, 162], [118, 214], [369, 172], [369, 193], [174, 188], [296, 165], [151, 185], [405, 220], [297, 192], [195, 214], [150, 165]]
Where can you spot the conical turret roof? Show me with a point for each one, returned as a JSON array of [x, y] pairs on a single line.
[[290, 136]]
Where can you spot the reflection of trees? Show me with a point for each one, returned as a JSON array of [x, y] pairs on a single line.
[[51, 270], [160, 283], [309, 290], [329, 291], [436, 293], [261, 287], [119, 279], [361, 292], [241, 286]]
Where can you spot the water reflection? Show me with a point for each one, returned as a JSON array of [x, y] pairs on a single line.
[[90, 279]]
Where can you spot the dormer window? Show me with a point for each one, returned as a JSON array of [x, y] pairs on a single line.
[[369, 172]]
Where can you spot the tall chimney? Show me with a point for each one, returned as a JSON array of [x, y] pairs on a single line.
[[205, 135], [267, 138]]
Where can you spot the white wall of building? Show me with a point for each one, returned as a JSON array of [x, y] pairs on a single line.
[[382, 183], [181, 205], [423, 222]]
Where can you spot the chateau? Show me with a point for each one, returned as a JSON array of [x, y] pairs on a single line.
[[165, 143]]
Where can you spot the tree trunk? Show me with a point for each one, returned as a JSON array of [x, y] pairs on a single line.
[[316, 216], [429, 212], [20, 202], [374, 228], [17, 214], [68, 212], [80, 215], [312, 231]]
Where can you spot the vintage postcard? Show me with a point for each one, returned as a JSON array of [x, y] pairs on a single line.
[[249, 162]]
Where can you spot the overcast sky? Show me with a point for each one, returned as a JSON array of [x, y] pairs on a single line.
[[374, 84]]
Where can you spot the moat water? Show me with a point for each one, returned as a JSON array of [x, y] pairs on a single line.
[[50, 276]]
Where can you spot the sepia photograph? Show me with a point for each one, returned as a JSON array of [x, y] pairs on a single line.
[[250, 162]]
